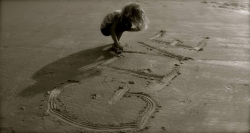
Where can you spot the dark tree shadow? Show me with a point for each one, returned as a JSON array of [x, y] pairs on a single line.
[[64, 70]]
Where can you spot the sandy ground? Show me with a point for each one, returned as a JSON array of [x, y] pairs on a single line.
[[48, 45]]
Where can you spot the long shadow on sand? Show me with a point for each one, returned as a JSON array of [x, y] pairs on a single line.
[[65, 70]]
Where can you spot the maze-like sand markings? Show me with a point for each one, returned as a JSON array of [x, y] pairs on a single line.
[[118, 95], [140, 122], [202, 44], [168, 54], [165, 80]]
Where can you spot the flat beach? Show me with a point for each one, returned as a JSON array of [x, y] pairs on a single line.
[[188, 72]]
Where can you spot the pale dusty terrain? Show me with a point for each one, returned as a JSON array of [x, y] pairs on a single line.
[[58, 74]]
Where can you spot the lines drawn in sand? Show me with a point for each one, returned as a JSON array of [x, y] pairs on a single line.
[[201, 44], [135, 73], [178, 42], [118, 95], [174, 43], [139, 124], [92, 68], [165, 80], [168, 54], [159, 34]]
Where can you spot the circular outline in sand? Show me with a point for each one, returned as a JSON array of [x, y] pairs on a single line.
[[141, 124]]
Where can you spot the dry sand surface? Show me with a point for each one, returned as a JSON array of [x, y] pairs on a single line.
[[189, 72]]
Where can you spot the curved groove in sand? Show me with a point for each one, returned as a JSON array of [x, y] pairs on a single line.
[[151, 108], [139, 125]]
